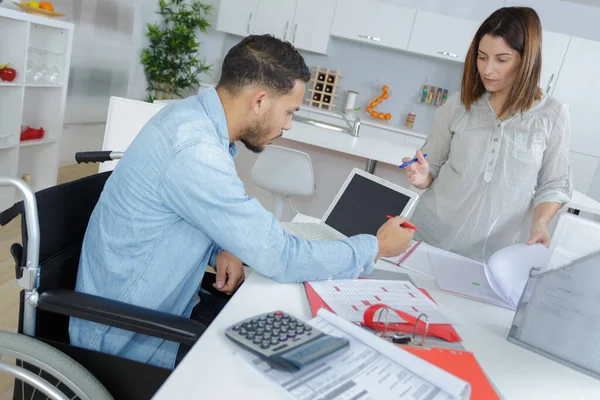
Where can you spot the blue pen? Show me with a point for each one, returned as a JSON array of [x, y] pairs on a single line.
[[414, 160]]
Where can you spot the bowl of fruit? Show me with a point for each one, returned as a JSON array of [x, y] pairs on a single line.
[[43, 8]]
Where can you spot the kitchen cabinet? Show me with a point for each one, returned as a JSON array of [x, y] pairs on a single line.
[[442, 36], [236, 16], [373, 22], [274, 17], [312, 23], [554, 48], [304, 23], [577, 85]]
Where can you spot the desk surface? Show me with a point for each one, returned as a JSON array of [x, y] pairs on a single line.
[[212, 370]]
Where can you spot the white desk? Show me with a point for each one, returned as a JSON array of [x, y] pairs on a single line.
[[211, 369]]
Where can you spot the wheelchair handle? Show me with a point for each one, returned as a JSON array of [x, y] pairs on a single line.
[[97, 156]]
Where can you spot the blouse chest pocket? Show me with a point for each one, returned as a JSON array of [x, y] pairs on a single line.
[[528, 147]]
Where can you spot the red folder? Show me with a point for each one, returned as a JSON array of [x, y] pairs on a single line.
[[317, 302], [461, 364]]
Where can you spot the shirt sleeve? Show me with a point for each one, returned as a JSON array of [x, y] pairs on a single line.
[[201, 186], [555, 176], [437, 146]]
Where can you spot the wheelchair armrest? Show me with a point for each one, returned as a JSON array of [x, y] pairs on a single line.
[[121, 315]]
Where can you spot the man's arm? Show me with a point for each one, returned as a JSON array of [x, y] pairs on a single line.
[[201, 185]]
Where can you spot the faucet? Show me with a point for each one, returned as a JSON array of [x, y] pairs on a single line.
[[354, 125]]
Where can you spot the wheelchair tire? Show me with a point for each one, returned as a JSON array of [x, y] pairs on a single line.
[[54, 367]]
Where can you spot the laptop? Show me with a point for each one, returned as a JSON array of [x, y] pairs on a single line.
[[360, 207]]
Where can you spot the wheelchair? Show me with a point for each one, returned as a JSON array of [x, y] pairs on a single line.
[[53, 226]]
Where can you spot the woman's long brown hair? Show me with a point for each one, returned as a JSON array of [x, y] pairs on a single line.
[[521, 29]]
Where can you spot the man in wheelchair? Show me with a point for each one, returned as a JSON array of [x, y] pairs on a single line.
[[174, 204]]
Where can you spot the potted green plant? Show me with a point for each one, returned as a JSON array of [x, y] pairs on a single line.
[[170, 61]]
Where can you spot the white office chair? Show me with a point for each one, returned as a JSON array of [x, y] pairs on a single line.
[[285, 173]]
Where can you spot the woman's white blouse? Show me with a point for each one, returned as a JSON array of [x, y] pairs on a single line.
[[489, 173]]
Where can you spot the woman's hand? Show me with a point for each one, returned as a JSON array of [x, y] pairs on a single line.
[[418, 172], [539, 234]]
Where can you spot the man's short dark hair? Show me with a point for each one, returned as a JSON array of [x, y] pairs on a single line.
[[263, 60]]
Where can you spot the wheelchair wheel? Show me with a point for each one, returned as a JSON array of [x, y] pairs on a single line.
[[43, 372]]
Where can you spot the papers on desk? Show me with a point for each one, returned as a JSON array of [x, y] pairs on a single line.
[[350, 298], [371, 368], [500, 281]]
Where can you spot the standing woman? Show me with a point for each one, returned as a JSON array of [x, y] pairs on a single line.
[[498, 149]]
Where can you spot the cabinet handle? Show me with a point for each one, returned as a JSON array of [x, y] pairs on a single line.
[[445, 53], [285, 31], [249, 20], [549, 83], [294, 35], [376, 39]]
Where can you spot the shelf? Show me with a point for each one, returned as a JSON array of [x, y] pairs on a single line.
[[10, 84], [44, 85], [37, 142]]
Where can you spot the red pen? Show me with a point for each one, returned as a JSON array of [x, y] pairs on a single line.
[[404, 224]]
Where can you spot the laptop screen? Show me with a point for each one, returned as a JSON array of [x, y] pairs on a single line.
[[363, 206]]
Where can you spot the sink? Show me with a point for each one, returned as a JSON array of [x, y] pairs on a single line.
[[351, 127]]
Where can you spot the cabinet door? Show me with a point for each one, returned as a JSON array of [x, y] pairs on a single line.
[[373, 22], [554, 48], [274, 17], [442, 36], [236, 16], [312, 24], [578, 85]]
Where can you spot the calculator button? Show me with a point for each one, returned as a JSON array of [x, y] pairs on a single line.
[[292, 326], [261, 324], [262, 318], [270, 320], [250, 335], [276, 331], [277, 324], [260, 331], [236, 328], [268, 328], [291, 335], [278, 313], [284, 330], [300, 331], [253, 327], [267, 335], [286, 317], [308, 333], [283, 338], [265, 345], [300, 324], [293, 320], [254, 321], [297, 338], [243, 331], [274, 340], [270, 315], [284, 322], [257, 340], [308, 328]]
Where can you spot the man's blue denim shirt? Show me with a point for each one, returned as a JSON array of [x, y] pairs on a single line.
[[171, 204]]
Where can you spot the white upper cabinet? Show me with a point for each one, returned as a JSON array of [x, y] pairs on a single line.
[[312, 23], [442, 36], [554, 48], [577, 86], [274, 17], [236, 16], [373, 22]]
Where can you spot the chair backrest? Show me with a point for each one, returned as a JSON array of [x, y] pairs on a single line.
[[64, 212], [283, 171], [124, 121]]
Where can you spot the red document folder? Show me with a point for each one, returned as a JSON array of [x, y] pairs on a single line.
[[461, 364], [317, 302]]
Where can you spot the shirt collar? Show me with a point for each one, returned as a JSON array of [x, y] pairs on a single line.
[[216, 113]]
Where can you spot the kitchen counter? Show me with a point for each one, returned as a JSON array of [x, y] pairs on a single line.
[[377, 144]]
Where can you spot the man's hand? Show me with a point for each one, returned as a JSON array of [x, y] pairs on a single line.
[[393, 239], [230, 272], [539, 234]]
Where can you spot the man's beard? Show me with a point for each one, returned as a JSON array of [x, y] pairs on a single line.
[[253, 136]]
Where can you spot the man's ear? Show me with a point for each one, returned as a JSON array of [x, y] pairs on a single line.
[[259, 101]]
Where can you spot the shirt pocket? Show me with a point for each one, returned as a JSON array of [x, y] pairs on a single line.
[[528, 147]]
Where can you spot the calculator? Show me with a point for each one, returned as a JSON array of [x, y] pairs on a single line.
[[284, 342]]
